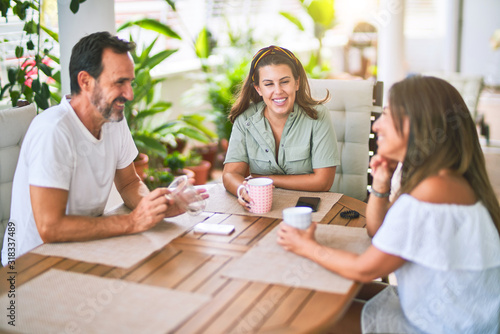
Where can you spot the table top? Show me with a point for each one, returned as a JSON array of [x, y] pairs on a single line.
[[192, 263]]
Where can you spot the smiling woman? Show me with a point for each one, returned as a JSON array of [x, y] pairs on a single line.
[[439, 235], [279, 130], [391, 141]]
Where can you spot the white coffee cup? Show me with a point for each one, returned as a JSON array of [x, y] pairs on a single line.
[[298, 217]]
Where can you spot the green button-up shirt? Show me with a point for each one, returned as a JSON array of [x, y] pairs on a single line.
[[305, 144]]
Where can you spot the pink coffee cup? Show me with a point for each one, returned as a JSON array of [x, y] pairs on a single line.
[[260, 191]]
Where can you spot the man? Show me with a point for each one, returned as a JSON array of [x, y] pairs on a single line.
[[73, 152]]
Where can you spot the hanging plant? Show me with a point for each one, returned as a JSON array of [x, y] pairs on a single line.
[[33, 75]]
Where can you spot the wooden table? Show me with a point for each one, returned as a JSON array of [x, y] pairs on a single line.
[[192, 263]]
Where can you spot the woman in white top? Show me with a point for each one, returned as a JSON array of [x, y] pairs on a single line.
[[441, 233]]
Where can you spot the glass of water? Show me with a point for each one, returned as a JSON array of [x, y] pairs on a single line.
[[186, 196]]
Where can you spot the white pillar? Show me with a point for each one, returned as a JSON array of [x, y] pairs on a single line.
[[391, 43], [452, 17], [93, 16]]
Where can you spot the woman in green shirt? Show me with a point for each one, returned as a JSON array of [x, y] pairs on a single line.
[[279, 130]]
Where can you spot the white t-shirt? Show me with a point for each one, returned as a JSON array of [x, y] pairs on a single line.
[[451, 280], [58, 151]]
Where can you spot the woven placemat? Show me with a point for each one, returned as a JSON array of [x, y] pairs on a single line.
[[268, 262], [221, 201], [123, 251], [66, 302]]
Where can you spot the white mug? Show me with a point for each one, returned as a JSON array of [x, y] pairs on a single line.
[[298, 217], [260, 191]]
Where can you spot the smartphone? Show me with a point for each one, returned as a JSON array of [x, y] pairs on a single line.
[[213, 228], [311, 202]]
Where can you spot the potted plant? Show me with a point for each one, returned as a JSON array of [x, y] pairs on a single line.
[[150, 138], [175, 163], [155, 178], [199, 166], [34, 78]]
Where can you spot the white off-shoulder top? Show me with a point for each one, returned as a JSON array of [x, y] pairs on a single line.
[[451, 280]]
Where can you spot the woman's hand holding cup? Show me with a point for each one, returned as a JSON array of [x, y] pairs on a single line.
[[256, 194]]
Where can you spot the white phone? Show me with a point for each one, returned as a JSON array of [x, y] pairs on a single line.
[[213, 228]]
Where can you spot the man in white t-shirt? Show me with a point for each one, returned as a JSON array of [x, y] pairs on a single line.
[[73, 152]]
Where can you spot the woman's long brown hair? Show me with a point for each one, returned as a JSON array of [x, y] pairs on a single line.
[[442, 136]]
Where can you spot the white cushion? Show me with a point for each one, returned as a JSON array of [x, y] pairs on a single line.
[[468, 85], [14, 123], [350, 105]]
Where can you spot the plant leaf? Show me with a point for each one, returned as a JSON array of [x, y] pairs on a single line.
[[157, 58], [165, 126], [4, 7], [162, 104], [171, 3], [150, 142], [12, 75], [292, 18], [146, 113], [30, 27], [35, 85], [4, 89], [74, 6], [41, 102], [153, 25], [196, 121], [202, 44], [14, 96], [56, 97], [194, 134], [54, 35], [45, 69], [322, 12], [145, 53], [19, 51], [45, 93], [54, 58]]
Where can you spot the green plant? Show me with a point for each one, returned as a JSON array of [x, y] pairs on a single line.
[[149, 138], [158, 178], [31, 79], [322, 13], [139, 111], [193, 158], [223, 78], [175, 162]]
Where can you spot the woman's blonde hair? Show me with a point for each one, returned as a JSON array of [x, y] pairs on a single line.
[[442, 136], [275, 55]]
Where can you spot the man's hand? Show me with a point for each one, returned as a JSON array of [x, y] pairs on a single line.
[[151, 210], [174, 210]]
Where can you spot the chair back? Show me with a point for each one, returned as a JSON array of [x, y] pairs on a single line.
[[14, 123], [351, 106], [469, 86]]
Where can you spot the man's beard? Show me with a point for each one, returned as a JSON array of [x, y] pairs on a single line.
[[106, 109]]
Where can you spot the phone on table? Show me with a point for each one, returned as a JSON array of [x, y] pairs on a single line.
[[311, 202], [213, 228]]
